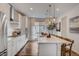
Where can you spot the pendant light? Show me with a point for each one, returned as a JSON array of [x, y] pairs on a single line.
[[49, 10], [54, 18], [51, 24]]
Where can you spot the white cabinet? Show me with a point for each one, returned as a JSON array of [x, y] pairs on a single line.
[[16, 18], [49, 49], [14, 15], [18, 43], [10, 45], [15, 44]]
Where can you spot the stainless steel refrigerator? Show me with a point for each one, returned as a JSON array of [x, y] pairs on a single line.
[[3, 34]]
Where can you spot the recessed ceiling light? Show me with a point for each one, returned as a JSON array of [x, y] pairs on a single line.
[[31, 8], [57, 9]]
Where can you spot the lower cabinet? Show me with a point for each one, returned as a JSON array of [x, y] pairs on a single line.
[[10, 47], [15, 44], [49, 49]]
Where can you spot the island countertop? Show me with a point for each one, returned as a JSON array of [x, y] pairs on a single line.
[[52, 39]]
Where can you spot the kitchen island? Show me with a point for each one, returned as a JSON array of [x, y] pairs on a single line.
[[50, 46]]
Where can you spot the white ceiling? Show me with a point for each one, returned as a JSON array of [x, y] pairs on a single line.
[[39, 9]]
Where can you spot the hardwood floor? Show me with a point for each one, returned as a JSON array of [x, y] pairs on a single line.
[[31, 49]]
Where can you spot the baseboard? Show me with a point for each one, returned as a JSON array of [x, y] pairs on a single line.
[[75, 52]]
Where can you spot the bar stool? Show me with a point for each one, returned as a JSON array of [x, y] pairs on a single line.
[[66, 49]]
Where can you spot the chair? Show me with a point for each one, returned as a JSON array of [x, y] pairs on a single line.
[[66, 49]]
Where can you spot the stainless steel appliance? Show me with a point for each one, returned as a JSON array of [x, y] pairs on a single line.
[[3, 34]]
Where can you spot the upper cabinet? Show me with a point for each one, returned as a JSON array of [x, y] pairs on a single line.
[[14, 14], [17, 21], [15, 18]]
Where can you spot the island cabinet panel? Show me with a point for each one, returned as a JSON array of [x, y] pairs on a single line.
[[48, 49]]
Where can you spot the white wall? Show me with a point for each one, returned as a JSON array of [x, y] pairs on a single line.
[[65, 21]]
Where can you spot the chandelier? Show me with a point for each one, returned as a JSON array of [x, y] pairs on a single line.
[[51, 22]]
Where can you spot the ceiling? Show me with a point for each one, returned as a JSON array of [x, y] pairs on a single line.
[[40, 9]]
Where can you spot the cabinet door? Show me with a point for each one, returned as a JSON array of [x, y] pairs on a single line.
[[10, 47], [16, 16], [17, 44], [20, 42], [47, 49], [14, 46]]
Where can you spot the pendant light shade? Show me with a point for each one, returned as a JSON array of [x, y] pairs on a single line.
[[51, 22]]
